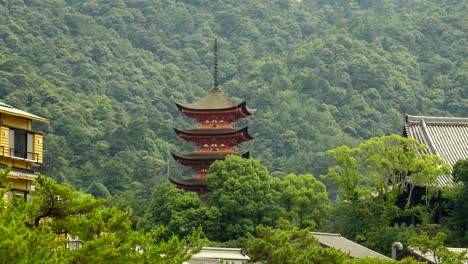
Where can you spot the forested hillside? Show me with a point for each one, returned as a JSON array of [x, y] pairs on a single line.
[[322, 73]]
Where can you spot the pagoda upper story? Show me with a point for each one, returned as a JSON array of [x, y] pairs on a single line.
[[215, 135], [215, 110]]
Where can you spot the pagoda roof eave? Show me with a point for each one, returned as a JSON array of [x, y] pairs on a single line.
[[215, 99], [214, 132], [191, 183], [243, 105], [205, 157]]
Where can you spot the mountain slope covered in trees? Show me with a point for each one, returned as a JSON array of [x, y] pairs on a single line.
[[321, 73]]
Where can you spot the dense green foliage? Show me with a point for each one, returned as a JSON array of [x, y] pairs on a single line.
[[289, 244], [374, 175], [241, 190], [243, 195], [19, 242], [459, 204], [35, 232], [180, 212], [321, 73], [376, 182]]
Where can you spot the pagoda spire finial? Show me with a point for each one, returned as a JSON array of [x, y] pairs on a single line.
[[215, 85]]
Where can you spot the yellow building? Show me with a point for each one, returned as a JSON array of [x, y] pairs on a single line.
[[20, 148]]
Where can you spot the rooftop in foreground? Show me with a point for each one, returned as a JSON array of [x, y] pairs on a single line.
[[214, 255], [428, 257], [444, 136], [354, 249]]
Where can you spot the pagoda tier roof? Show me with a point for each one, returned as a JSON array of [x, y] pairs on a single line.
[[205, 156], [214, 132], [189, 183], [215, 100]]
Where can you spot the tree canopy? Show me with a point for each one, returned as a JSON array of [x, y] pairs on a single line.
[[39, 230], [242, 196], [321, 74]]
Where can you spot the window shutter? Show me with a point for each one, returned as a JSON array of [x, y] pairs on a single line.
[[4, 141], [11, 150], [38, 155], [30, 147]]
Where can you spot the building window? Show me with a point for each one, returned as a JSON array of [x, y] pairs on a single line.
[[18, 195], [21, 144]]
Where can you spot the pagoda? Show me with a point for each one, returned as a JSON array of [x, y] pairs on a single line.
[[215, 136]]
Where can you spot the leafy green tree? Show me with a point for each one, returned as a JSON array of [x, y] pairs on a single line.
[[374, 175], [385, 236], [180, 212], [458, 221], [304, 200], [241, 195], [430, 241], [57, 202], [381, 261], [19, 243], [289, 244], [460, 171], [241, 190], [33, 231]]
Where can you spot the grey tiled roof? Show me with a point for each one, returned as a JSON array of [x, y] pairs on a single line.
[[429, 257], [213, 255], [15, 172], [354, 249], [444, 136]]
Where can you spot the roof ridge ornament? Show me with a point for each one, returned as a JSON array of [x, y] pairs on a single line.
[[428, 137], [436, 120], [215, 75]]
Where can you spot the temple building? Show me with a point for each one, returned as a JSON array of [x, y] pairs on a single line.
[[215, 136], [20, 149], [444, 136]]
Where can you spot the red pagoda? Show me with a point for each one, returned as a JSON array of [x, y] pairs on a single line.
[[215, 135]]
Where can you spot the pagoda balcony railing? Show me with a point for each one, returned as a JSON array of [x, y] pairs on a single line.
[[214, 126], [212, 150], [20, 155], [200, 176]]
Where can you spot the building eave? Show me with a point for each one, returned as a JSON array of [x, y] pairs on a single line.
[[8, 109]]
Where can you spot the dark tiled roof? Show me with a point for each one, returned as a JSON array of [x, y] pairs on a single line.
[[204, 157], [444, 136], [21, 173], [215, 100], [214, 132], [354, 249], [189, 182]]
